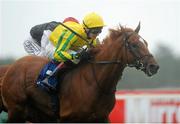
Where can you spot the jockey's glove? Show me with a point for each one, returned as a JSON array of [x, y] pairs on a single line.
[[84, 56], [75, 58]]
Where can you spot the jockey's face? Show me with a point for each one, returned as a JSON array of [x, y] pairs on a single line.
[[92, 33], [93, 36]]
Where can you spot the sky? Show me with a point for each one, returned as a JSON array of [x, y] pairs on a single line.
[[160, 19]]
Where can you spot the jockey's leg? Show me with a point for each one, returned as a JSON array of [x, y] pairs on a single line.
[[47, 78], [31, 46], [46, 49]]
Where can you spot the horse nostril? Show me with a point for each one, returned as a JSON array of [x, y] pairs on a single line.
[[153, 68]]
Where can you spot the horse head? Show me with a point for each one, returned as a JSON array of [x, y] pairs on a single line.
[[140, 57], [132, 49]]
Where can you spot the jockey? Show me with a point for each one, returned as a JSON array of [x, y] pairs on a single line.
[[36, 43], [67, 44]]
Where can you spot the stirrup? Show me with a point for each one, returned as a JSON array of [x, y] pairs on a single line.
[[45, 81], [46, 85]]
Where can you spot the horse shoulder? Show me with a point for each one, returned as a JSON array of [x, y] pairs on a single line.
[[14, 82]]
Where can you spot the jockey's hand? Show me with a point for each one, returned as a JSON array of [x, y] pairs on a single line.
[[69, 63], [84, 56]]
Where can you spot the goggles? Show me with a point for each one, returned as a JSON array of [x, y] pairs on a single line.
[[95, 30]]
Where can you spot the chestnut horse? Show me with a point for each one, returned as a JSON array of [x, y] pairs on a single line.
[[3, 69], [87, 92]]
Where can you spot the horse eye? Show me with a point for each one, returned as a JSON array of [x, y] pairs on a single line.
[[134, 45]]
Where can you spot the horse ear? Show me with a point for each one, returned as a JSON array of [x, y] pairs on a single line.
[[137, 28]]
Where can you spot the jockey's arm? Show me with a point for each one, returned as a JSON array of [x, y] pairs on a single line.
[[62, 53], [37, 31], [96, 42]]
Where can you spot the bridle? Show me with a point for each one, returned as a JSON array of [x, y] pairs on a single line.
[[137, 63]]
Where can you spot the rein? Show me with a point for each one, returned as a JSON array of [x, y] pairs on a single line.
[[136, 63], [105, 62]]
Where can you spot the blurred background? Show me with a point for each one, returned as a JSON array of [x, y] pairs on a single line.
[[156, 99], [160, 27]]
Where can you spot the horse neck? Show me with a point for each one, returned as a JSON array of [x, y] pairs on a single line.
[[108, 74]]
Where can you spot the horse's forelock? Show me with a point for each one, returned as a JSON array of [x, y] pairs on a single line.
[[119, 30], [116, 33]]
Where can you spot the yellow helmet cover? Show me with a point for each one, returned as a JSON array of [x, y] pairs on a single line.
[[93, 20]]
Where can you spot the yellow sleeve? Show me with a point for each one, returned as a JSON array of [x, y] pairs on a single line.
[[65, 41], [96, 42]]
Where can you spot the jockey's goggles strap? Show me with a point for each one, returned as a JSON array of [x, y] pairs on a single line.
[[96, 30], [85, 25], [76, 34]]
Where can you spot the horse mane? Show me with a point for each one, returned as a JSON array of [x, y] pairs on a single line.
[[110, 39], [115, 33]]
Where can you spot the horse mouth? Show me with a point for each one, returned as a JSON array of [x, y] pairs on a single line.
[[151, 69]]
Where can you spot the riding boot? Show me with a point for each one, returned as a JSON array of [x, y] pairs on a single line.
[[47, 78]]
